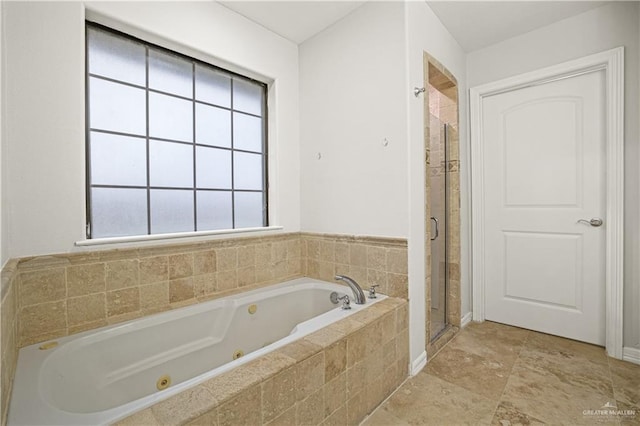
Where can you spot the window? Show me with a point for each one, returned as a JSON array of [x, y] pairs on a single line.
[[173, 144]]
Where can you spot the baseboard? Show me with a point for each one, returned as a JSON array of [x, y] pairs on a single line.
[[418, 364], [466, 319], [631, 355]]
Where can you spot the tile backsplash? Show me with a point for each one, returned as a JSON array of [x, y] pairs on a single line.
[[64, 294]]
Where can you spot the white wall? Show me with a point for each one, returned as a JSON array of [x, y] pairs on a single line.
[[425, 33], [4, 252], [45, 105], [600, 29], [352, 97]]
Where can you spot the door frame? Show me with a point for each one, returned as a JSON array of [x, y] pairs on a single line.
[[612, 62]]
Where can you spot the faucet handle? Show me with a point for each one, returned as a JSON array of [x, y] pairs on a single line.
[[346, 303], [372, 291]]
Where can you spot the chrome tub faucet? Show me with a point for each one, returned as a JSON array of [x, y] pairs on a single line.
[[355, 287]]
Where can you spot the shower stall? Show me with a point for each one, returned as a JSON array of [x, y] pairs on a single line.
[[438, 221]]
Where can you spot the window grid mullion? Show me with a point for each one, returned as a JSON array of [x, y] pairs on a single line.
[[233, 187], [146, 72], [193, 118]]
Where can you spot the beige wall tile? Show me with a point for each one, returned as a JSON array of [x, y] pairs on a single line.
[[327, 251], [335, 360], [86, 309], [293, 248], [154, 269], [279, 251], [310, 375], [311, 410], [87, 326], [357, 407], [204, 262], [180, 266], [335, 394], [154, 295], [85, 279], [184, 407], [123, 301], [180, 290], [313, 249], [227, 280], [358, 255], [246, 276], [210, 418], [122, 274], [377, 258], [244, 409], [246, 256], [278, 394], [263, 254], [227, 259], [43, 318], [397, 261], [264, 274], [144, 417], [338, 418], [205, 284], [398, 285], [287, 418], [342, 253], [42, 286]]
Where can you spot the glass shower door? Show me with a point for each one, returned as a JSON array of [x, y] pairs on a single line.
[[438, 222]]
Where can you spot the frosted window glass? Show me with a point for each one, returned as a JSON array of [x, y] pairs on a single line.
[[118, 211], [118, 160], [170, 73], [171, 211], [213, 168], [213, 87], [247, 132], [116, 107], [170, 118], [116, 57], [247, 96], [214, 210], [170, 164], [248, 209], [213, 126], [247, 171]]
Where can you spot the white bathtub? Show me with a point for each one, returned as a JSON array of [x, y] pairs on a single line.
[[104, 375]]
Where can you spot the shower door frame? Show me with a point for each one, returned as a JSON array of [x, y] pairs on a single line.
[[612, 62]]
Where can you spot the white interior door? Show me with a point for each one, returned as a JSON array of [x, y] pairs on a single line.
[[544, 171]]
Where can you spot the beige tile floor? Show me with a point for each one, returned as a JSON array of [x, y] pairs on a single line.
[[495, 374]]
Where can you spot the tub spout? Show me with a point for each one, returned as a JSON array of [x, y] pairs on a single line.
[[357, 290]]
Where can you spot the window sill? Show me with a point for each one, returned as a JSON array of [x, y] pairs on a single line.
[[155, 237]]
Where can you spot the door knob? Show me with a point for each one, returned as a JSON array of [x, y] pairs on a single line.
[[596, 221]]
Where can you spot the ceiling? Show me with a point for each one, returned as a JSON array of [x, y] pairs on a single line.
[[474, 24], [294, 20], [478, 24]]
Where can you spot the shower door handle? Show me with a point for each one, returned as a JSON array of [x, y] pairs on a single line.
[[437, 226]]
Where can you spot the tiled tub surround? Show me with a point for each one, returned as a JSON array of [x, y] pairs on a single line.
[[335, 376], [65, 294], [8, 330], [103, 375], [369, 260], [48, 297]]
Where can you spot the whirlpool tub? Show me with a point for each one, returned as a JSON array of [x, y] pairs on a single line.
[[104, 375]]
